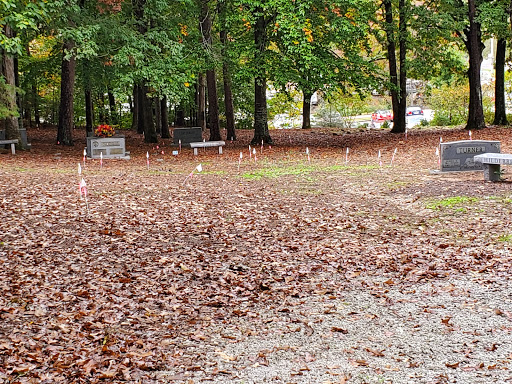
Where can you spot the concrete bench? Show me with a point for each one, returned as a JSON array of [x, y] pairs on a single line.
[[13, 144], [492, 163], [205, 144]]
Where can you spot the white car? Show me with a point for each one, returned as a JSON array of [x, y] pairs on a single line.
[[414, 111]]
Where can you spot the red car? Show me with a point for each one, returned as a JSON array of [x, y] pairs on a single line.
[[381, 116]]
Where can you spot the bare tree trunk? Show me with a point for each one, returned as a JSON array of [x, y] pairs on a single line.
[[158, 115], [112, 107], [146, 116], [35, 105], [261, 132], [201, 102], [398, 81], [500, 114], [474, 46], [65, 127], [11, 123], [89, 111], [228, 94], [306, 110], [211, 80], [135, 111], [165, 118]]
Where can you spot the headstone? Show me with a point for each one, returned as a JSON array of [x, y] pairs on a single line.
[[187, 135], [107, 147], [457, 156]]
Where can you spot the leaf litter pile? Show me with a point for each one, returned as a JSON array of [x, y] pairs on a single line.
[[337, 268]]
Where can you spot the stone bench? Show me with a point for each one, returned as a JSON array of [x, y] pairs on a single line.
[[205, 144], [13, 144], [492, 163]]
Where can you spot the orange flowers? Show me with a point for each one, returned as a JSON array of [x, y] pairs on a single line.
[[104, 130]]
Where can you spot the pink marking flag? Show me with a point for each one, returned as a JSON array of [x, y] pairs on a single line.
[[262, 147], [101, 159], [79, 181], [147, 159], [85, 154], [83, 189], [307, 153]]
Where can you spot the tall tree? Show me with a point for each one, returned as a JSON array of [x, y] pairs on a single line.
[[495, 18], [322, 45], [11, 108], [474, 46], [397, 70], [261, 132], [211, 79], [67, 87], [500, 112]]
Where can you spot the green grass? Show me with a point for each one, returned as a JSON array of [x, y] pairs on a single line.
[[287, 169], [505, 238], [452, 202]]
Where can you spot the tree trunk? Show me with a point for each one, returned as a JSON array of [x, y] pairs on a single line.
[[398, 81], [89, 111], [261, 132], [211, 80], [112, 107], [65, 127], [474, 46], [213, 105], [146, 116], [179, 116], [135, 111], [201, 102], [228, 94], [158, 116], [12, 131], [306, 110], [101, 114], [35, 105], [19, 101], [165, 118], [500, 114]]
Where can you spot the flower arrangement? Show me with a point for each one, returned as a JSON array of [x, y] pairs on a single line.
[[104, 130]]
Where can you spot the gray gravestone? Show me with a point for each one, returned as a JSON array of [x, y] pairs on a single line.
[[187, 135], [457, 156], [107, 147]]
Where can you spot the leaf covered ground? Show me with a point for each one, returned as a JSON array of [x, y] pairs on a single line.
[[284, 269]]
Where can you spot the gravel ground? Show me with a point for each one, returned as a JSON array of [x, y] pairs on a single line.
[[455, 330]]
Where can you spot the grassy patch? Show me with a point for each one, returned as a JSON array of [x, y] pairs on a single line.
[[451, 202], [505, 238], [274, 172]]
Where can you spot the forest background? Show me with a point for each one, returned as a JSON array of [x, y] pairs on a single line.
[[142, 63]]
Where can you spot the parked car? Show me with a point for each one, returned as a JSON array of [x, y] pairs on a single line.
[[381, 116], [414, 111]]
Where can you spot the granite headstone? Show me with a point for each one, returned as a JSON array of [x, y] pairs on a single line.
[[457, 156], [187, 135], [107, 147]]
